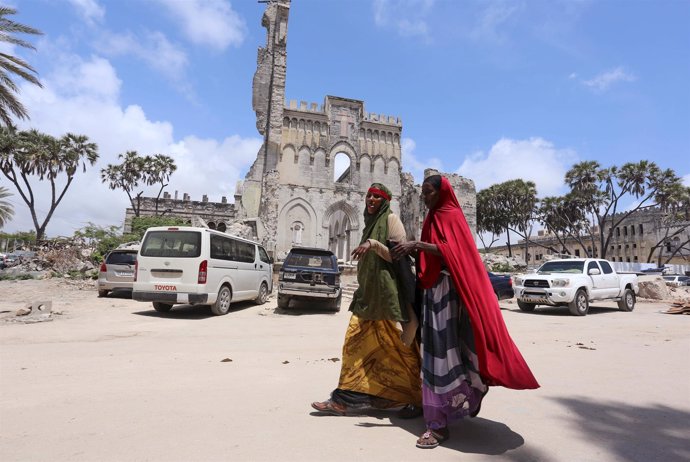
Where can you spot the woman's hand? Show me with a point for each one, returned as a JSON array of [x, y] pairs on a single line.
[[361, 250], [402, 249]]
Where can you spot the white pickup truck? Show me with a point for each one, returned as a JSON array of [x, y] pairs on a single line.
[[574, 283]]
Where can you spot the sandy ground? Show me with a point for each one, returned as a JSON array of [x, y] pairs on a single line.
[[112, 380]]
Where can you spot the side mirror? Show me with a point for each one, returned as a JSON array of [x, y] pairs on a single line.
[[341, 268], [594, 272]]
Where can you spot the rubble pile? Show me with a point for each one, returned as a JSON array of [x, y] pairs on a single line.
[[61, 258], [492, 260]]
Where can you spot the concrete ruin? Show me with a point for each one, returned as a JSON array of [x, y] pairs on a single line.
[[309, 180]]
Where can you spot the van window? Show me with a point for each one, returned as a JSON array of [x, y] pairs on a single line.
[[180, 244], [225, 248], [245, 252], [263, 256]]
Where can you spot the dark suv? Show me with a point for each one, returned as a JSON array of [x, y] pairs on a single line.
[[310, 274]]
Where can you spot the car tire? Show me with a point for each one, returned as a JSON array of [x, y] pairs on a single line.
[[283, 302], [335, 304], [263, 294], [627, 301], [527, 307], [222, 305], [162, 307], [102, 293], [580, 304]]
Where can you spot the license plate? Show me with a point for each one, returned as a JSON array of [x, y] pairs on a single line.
[[289, 276], [125, 273]]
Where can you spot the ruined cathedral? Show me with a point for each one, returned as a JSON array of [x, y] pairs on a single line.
[[296, 193], [293, 187]]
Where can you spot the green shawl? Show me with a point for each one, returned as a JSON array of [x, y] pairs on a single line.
[[377, 296]]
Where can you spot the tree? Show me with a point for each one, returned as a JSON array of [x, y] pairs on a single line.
[[135, 170], [27, 154], [520, 200], [6, 209], [672, 224], [564, 218], [11, 65], [600, 191], [489, 215]]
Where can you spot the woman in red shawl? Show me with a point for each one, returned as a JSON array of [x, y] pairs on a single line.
[[465, 344]]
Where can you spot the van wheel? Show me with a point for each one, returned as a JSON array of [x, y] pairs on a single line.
[[283, 302], [162, 307], [222, 305], [102, 293], [627, 302], [263, 294], [580, 304]]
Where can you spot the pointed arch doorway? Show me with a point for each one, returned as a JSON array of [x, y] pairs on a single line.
[[343, 229]]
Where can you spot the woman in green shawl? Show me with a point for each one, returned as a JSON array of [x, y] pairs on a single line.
[[381, 364]]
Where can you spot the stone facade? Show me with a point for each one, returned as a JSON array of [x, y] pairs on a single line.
[[632, 242], [217, 215]]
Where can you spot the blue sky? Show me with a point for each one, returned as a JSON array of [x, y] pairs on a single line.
[[493, 90]]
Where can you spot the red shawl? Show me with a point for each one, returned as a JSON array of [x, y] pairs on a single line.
[[500, 362]]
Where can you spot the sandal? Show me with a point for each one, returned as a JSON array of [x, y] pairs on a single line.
[[479, 406], [410, 411], [432, 438], [330, 407]]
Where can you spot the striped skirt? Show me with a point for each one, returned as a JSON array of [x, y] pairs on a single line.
[[451, 385]]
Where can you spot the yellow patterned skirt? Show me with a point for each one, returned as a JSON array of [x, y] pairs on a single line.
[[377, 362]]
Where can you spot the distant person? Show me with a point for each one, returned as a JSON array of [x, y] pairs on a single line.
[[381, 364], [465, 344]]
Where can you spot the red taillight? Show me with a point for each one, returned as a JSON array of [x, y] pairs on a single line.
[[103, 269], [510, 282], [203, 268], [136, 269]]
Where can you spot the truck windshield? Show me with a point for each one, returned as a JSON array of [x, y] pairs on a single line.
[[562, 267]]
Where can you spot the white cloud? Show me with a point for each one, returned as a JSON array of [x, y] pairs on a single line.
[[90, 10], [686, 180], [414, 166], [492, 19], [603, 81], [407, 17], [534, 159], [72, 101], [152, 47], [208, 22]]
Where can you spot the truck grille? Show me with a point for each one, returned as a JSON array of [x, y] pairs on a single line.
[[537, 283]]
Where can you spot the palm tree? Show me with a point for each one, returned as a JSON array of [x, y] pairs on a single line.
[[6, 209], [12, 65]]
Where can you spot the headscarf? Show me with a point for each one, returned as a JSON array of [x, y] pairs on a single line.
[[500, 362], [377, 296]]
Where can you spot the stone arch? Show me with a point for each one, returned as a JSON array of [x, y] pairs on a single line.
[[378, 173], [341, 225], [297, 210], [365, 170], [288, 153], [345, 148], [392, 170]]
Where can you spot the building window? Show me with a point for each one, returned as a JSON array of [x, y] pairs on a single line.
[[625, 230], [641, 230], [628, 259], [577, 252], [635, 258], [634, 246], [632, 230], [618, 232]]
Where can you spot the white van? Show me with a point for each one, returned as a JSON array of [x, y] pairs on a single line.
[[200, 266]]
